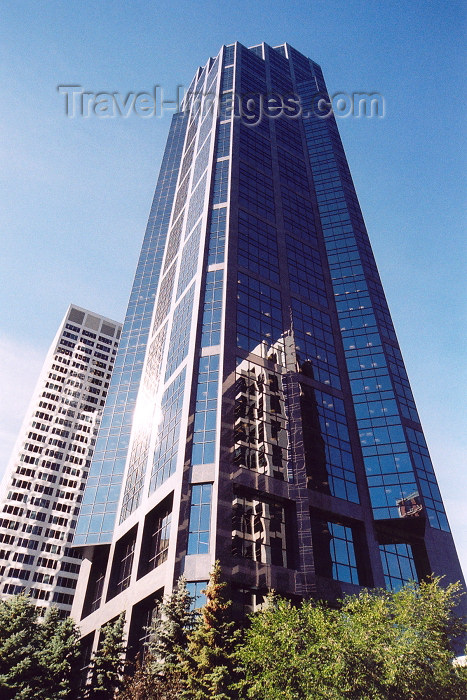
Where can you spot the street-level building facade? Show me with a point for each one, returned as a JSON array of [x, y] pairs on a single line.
[[259, 413], [44, 481]]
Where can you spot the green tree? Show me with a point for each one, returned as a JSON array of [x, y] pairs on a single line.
[[290, 652], [377, 646], [19, 636], [158, 674], [59, 657], [209, 664], [172, 622], [409, 646], [145, 684], [107, 664]]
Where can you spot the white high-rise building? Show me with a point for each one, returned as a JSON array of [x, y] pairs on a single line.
[[43, 485]]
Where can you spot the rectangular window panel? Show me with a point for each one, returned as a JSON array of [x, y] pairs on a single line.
[[305, 271], [261, 423], [344, 567], [257, 246], [200, 519], [259, 317], [122, 564], [328, 454], [334, 552], [189, 261], [159, 546], [165, 454], [212, 312], [180, 333], [223, 140], [398, 565], [259, 530], [217, 236], [194, 589], [204, 435], [141, 440], [314, 343], [229, 55], [221, 181]]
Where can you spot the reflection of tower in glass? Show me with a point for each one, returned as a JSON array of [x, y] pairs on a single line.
[[274, 428], [260, 420]]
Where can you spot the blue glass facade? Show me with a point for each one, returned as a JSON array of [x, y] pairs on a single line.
[[112, 445], [274, 412], [383, 402]]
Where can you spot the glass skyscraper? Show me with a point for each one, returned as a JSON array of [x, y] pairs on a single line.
[[259, 412]]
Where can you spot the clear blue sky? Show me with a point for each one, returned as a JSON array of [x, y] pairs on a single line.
[[75, 193]]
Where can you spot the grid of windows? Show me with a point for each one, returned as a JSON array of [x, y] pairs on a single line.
[[257, 246], [195, 589], [427, 479], [205, 128], [261, 423], [391, 480], [165, 297], [124, 555], [387, 460], [254, 149], [212, 309], [180, 334], [204, 432], [173, 242], [212, 77], [74, 434], [401, 383], [288, 133], [221, 182], [143, 427], [200, 519], [202, 160], [223, 140], [259, 530], [328, 452], [344, 566], [98, 591], [189, 261], [334, 551], [398, 565], [364, 319], [160, 536], [226, 106], [229, 55], [314, 343], [180, 202], [259, 316], [300, 223], [305, 271], [293, 172], [187, 160], [227, 79], [253, 73], [165, 455], [217, 236], [255, 192]]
